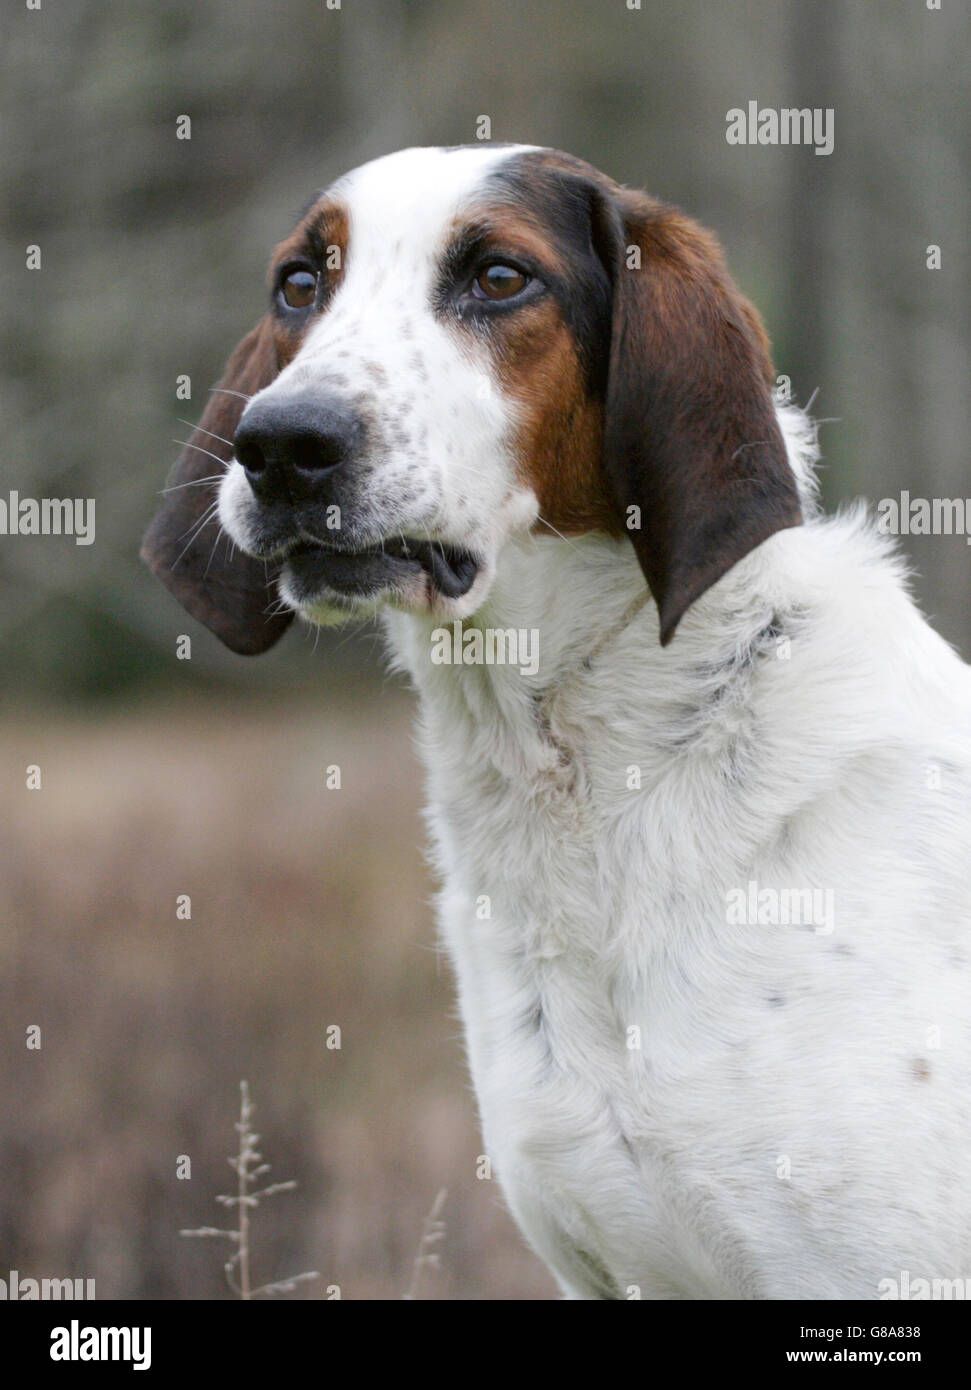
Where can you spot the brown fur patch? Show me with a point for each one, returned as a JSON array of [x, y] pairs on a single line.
[[559, 440]]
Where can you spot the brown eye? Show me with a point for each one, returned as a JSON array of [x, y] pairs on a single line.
[[299, 288], [499, 281]]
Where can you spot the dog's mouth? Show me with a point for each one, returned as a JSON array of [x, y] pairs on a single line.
[[398, 564]]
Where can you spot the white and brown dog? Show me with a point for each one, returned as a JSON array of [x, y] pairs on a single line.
[[709, 899]]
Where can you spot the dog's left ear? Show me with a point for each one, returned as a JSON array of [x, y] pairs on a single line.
[[693, 452], [231, 593]]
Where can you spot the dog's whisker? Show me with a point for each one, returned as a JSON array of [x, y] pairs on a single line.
[[565, 539], [225, 391], [196, 529], [187, 444], [193, 482], [219, 535], [222, 439]]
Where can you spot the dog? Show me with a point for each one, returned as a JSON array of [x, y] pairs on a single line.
[[705, 860]]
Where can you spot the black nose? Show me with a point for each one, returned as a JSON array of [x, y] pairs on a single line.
[[289, 447]]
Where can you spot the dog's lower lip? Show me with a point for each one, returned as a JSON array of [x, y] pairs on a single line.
[[451, 569]]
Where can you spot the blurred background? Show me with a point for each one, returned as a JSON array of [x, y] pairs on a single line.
[[311, 907]]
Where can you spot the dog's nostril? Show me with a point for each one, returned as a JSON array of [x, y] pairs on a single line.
[[317, 453], [251, 458]]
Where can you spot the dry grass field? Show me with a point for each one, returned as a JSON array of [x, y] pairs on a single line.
[[309, 907]]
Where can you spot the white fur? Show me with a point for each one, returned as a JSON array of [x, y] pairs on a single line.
[[748, 1148], [794, 1122]]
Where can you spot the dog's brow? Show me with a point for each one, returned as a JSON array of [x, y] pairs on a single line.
[[318, 227], [499, 229], [465, 244]]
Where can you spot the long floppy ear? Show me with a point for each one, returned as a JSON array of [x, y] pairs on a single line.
[[231, 593], [690, 434]]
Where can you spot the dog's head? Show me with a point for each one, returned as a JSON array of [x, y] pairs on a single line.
[[463, 344]]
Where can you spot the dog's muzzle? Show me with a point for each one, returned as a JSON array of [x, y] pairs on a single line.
[[298, 456]]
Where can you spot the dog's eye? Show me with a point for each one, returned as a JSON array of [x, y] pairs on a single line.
[[499, 281], [299, 288]]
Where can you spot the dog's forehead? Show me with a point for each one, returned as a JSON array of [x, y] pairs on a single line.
[[411, 200]]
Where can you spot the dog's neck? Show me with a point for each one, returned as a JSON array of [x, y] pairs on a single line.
[[586, 655]]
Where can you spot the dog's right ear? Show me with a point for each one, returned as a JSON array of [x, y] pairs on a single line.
[[231, 593]]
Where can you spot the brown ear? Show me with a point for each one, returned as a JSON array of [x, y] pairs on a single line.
[[231, 593], [690, 433]]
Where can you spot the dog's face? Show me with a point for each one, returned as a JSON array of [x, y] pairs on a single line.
[[461, 345], [419, 315]]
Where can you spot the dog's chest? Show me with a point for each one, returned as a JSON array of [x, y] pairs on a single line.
[[548, 923], [573, 1042]]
